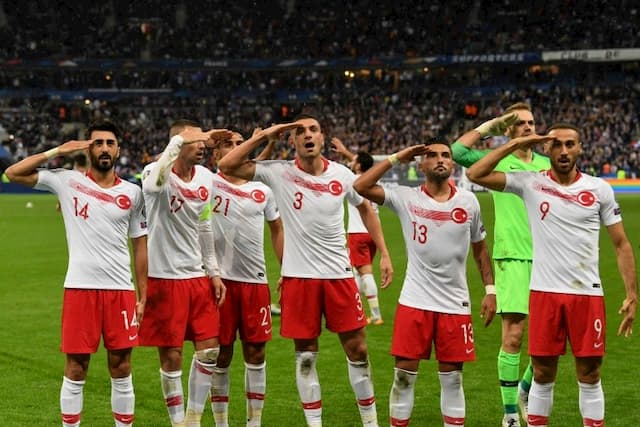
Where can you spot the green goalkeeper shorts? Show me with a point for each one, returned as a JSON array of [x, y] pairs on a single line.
[[512, 285]]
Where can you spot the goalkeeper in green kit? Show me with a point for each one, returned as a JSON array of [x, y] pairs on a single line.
[[512, 251]]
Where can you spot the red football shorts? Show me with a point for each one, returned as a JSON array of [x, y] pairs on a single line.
[[555, 317], [304, 301], [415, 329], [247, 310], [88, 314], [361, 249], [179, 310]]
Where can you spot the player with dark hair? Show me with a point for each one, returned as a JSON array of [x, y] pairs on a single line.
[[439, 221], [184, 278], [317, 279], [101, 214], [565, 208]]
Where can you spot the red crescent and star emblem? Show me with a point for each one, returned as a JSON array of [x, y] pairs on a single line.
[[335, 188], [123, 201], [203, 193], [258, 196], [459, 215], [586, 198]]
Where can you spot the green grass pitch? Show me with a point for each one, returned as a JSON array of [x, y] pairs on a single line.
[[33, 264]]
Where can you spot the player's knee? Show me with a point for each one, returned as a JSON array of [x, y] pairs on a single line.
[[208, 355], [306, 361], [403, 379]]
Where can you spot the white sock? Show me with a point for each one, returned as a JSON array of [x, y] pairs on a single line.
[[173, 396], [71, 402], [309, 386], [540, 403], [371, 292], [452, 402], [360, 378], [255, 386], [199, 387], [220, 396], [591, 398], [123, 401], [401, 397]]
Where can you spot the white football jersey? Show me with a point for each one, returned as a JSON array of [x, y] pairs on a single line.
[[313, 217], [354, 223], [238, 213], [565, 227], [98, 223], [437, 236], [173, 214]]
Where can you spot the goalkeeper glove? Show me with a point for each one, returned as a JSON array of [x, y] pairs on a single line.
[[497, 126]]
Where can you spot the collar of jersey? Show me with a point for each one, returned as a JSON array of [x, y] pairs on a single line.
[[553, 178], [451, 194], [325, 164], [116, 180]]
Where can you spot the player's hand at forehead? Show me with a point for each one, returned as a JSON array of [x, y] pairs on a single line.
[[498, 125], [275, 131], [408, 154], [216, 136], [528, 141], [71, 146]]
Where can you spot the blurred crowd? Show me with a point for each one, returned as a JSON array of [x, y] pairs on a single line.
[[309, 29]]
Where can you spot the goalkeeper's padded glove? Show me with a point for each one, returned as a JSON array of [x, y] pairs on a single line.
[[497, 126]]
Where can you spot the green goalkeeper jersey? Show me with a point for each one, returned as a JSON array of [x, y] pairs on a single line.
[[511, 235]]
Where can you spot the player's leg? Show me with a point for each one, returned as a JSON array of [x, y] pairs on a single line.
[[541, 394], [255, 381], [71, 396], [122, 396], [452, 404], [370, 290], [307, 380], [171, 383], [411, 341], [453, 348], [204, 328], [81, 331], [220, 386], [591, 396], [402, 393], [547, 341], [509, 365], [120, 333], [512, 288], [586, 324]]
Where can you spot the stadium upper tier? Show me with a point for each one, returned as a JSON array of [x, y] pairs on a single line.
[[153, 29]]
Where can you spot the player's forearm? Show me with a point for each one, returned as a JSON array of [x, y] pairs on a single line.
[[140, 262], [483, 262], [627, 268], [24, 171], [373, 226], [159, 174], [277, 241], [236, 162], [367, 184], [488, 163], [208, 249], [470, 138], [267, 151]]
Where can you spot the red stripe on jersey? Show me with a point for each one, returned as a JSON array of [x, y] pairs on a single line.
[[399, 423], [121, 200], [222, 399], [537, 420], [255, 396], [312, 405], [71, 418], [367, 402], [453, 420], [124, 418], [590, 422], [173, 401]]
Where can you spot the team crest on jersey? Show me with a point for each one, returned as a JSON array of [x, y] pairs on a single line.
[[121, 200], [256, 195], [334, 187], [583, 198], [201, 193], [457, 215]]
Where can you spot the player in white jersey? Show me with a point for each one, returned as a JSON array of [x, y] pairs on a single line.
[[565, 209], [101, 213], [184, 279], [362, 249], [438, 222], [239, 211], [316, 273]]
